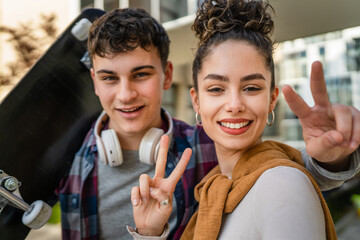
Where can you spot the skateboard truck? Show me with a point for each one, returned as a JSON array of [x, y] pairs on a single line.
[[81, 32], [35, 215]]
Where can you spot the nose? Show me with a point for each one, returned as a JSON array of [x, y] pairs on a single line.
[[126, 91], [234, 102]]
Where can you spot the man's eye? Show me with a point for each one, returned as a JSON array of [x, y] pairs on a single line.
[[109, 78], [142, 74]]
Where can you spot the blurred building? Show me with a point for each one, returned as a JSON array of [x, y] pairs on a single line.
[[338, 50], [340, 54]]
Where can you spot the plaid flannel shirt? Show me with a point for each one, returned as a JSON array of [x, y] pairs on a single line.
[[78, 191]]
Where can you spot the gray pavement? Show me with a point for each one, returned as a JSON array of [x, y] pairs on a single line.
[[47, 232]]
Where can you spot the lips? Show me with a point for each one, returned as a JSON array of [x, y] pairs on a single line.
[[130, 113], [130, 110], [235, 126]]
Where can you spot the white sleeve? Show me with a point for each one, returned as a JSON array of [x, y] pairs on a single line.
[[328, 180], [287, 206]]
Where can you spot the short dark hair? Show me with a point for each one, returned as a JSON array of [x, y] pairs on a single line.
[[123, 30]]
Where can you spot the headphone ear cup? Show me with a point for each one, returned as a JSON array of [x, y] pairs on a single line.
[[101, 151], [149, 146], [112, 148]]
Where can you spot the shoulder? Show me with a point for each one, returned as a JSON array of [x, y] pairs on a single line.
[[285, 176], [285, 196], [182, 128], [89, 142], [285, 183]]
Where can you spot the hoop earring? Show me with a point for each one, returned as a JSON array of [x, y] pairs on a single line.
[[197, 119], [272, 120]]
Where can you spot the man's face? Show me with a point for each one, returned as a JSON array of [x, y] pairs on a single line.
[[130, 88]]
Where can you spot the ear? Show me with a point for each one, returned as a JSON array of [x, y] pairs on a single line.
[[94, 82], [273, 98], [168, 75], [195, 100]]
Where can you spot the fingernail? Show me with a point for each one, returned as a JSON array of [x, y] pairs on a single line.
[[151, 189], [144, 200], [135, 202]]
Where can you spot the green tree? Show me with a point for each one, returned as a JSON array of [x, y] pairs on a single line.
[[29, 43]]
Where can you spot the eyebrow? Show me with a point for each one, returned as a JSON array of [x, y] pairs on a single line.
[[105, 71], [141, 67], [132, 70], [223, 78]]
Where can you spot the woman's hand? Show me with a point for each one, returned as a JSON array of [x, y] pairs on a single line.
[[152, 199], [331, 131]]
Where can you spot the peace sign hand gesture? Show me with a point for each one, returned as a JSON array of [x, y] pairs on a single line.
[[152, 199], [331, 131]]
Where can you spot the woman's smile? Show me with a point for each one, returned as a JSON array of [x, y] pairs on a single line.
[[235, 126]]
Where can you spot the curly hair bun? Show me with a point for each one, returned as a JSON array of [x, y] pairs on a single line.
[[215, 16]]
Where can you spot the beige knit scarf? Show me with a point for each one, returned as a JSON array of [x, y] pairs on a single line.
[[217, 194]]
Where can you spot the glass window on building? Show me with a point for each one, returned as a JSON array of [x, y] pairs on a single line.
[[340, 90], [172, 9], [345, 91], [294, 65], [357, 53], [353, 55], [291, 129], [86, 4], [110, 5], [332, 88]]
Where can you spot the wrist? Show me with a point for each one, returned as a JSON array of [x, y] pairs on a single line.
[[150, 232], [339, 165]]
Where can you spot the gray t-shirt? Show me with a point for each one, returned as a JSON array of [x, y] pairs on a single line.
[[114, 195]]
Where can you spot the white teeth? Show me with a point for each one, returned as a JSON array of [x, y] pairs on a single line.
[[130, 110], [234, 125]]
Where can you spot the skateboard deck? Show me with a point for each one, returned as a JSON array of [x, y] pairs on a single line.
[[43, 122]]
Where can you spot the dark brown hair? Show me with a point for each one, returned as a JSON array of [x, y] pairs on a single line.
[[242, 20], [123, 30]]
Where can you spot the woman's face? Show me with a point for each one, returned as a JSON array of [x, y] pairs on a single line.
[[234, 97]]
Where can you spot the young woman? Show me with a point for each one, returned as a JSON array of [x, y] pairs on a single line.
[[260, 190]]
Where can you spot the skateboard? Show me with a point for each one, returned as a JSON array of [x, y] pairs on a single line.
[[43, 122]]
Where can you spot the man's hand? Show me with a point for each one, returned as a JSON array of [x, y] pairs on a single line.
[[331, 131], [152, 199]]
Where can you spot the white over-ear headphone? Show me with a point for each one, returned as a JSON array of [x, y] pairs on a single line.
[[109, 149]]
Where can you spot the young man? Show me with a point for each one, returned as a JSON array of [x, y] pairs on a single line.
[[130, 69]]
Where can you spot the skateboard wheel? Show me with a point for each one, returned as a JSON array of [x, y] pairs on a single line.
[[38, 215], [81, 29]]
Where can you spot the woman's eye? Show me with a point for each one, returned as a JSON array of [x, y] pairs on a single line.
[[252, 89], [215, 89]]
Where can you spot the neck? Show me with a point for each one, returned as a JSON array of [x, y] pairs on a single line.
[[132, 140], [228, 158]]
